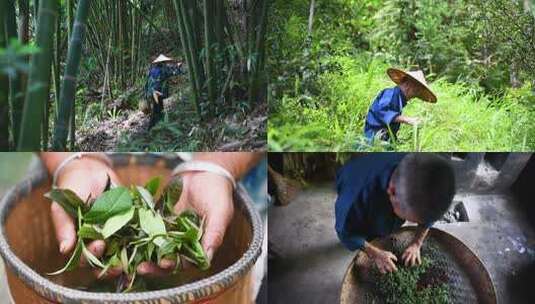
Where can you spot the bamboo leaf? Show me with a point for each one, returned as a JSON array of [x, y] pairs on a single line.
[[110, 203], [116, 222]]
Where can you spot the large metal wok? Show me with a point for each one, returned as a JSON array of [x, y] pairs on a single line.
[[468, 280]]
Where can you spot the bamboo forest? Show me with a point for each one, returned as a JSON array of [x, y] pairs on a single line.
[[329, 60], [133, 75]]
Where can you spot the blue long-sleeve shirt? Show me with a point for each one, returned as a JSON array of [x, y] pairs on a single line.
[[363, 209], [384, 109], [157, 79]]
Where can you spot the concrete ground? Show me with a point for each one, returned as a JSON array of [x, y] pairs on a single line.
[[311, 262]]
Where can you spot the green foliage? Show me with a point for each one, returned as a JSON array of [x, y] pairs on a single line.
[[324, 83], [464, 119], [134, 229], [401, 287]]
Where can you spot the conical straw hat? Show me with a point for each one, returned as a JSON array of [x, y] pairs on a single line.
[[162, 58], [398, 76]]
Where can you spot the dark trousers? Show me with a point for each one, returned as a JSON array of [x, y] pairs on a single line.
[[156, 113]]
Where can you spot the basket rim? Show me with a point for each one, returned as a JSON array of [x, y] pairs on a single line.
[[184, 293]]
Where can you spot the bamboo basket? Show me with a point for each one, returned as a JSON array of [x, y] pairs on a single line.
[[29, 247]]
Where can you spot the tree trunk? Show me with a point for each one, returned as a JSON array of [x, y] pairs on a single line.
[[39, 79], [68, 89]]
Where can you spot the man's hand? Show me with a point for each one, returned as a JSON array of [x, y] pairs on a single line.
[[216, 206], [407, 120], [411, 255], [87, 178], [383, 260]]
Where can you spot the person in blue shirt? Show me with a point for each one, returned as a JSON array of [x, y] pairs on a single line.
[[378, 192], [386, 110], [157, 87]]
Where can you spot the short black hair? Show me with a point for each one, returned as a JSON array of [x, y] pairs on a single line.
[[425, 185]]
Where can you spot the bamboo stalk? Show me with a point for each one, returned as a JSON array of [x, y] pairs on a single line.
[[39, 79], [195, 90], [4, 87], [15, 83], [209, 42], [259, 53], [68, 89]]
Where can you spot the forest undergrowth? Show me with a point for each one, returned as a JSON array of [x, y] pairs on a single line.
[[329, 63]]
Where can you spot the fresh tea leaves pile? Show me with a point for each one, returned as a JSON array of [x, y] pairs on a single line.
[[135, 228], [421, 284]]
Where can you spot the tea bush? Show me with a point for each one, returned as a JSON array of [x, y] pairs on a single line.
[[324, 83]]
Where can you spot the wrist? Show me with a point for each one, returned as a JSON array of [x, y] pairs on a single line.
[[370, 250], [190, 169], [89, 163]]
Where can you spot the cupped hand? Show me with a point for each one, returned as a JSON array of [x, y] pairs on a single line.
[[87, 178], [210, 195], [384, 261], [411, 255]]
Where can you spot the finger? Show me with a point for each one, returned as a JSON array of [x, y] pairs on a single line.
[[404, 255], [392, 256], [393, 266], [111, 273], [64, 228], [167, 264], [182, 203], [413, 260], [151, 270], [406, 260], [418, 259], [382, 270], [213, 235], [97, 248]]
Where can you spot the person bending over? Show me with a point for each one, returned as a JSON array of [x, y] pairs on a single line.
[[377, 193], [385, 114]]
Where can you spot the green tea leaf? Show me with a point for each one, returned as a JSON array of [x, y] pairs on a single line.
[[153, 185], [67, 199], [116, 222], [112, 262], [91, 259], [108, 204], [146, 196], [74, 260], [89, 232], [124, 260], [152, 224]]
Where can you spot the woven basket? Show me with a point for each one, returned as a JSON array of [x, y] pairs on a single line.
[[29, 247]]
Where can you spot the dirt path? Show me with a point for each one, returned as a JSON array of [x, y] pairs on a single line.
[[231, 134]]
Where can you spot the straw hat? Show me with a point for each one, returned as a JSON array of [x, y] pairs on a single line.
[[162, 58], [398, 76]]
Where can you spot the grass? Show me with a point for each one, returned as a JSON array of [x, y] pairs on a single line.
[[464, 119]]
